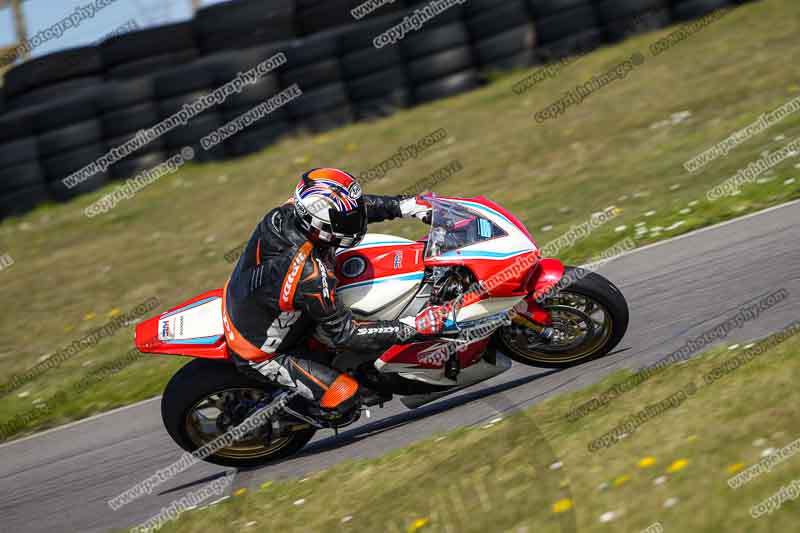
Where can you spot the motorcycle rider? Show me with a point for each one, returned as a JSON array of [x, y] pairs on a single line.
[[284, 286]]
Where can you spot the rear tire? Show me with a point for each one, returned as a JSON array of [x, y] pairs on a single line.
[[201, 379], [587, 287]]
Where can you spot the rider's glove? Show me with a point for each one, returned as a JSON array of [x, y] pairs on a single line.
[[416, 207], [431, 320]]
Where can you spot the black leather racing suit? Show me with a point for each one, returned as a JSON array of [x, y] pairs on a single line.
[[282, 288]]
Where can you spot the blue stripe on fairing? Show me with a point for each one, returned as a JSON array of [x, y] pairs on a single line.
[[200, 340], [201, 302], [470, 254], [407, 277]]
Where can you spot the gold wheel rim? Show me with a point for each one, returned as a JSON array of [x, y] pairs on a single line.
[[562, 301], [203, 426]]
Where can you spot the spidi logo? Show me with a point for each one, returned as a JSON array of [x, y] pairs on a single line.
[[290, 282]]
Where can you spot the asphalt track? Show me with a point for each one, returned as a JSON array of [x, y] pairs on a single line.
[[60, 480]]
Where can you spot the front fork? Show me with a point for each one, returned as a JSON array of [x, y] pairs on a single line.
[[543, 282]]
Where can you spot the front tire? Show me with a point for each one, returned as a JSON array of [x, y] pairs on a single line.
[[590, 316], [203, 388]]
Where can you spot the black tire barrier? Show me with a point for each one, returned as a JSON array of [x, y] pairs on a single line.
[[455, 13], [134, 164], [366, 62], [17, 124], [474, 7], [611, 10], [257, 138], [437, 39], [498, 20], [439, 65], [621, 29], [447, 86], [377, 84], [325, 15], [313, 75], [141, 44], [254, 94], [170, 106], [58, 167], [155, 145], [182, 79], [149, 65], [313, 49], [18, 151], [20, 176], [566, 24], [21, 201], [326, 120], [278, 115], [519, 40], [60, 113], [544, 8], [384, 105], [244, 23], [131, 119], [70, 137], [52, 68], [692, 9], [318, 101], [579, 43], [63, 89], [62, 193], [121, 94]]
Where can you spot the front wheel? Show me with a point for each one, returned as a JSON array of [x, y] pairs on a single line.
[[590, 317], [206, 398]]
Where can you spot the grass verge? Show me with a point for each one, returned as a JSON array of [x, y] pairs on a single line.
[[672, 469]]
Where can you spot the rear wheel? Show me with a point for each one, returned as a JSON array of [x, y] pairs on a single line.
[[590, 317], [204, 399]]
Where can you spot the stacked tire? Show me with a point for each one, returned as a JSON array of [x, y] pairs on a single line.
[[565, 27], [70, 138], [439, 62], [503, 36], [313, 64], [63, 73], [244, 24], [314, 16], [265, 131], [623, 18], [683, 10], [144, 52], [376, 77], [128, 107], [22, 185], [188, 88]]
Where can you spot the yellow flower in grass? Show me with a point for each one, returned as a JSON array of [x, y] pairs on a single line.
[[417, 524], [240, 492], [89, 316], [691, 438], [266, 484], [114, 312], [562, 505], [646, 462], [351, 147], [621, 480], [301, 159], [735, 467], [677, 465]]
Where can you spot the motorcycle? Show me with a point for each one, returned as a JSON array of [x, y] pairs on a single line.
[[507, 303]]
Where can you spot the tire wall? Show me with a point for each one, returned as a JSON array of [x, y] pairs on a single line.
[[62, 111]]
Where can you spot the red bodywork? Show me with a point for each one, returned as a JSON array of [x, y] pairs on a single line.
[[542, 275]]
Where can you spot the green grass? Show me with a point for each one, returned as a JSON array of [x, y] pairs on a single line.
[[499, 476], [169, 240]]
